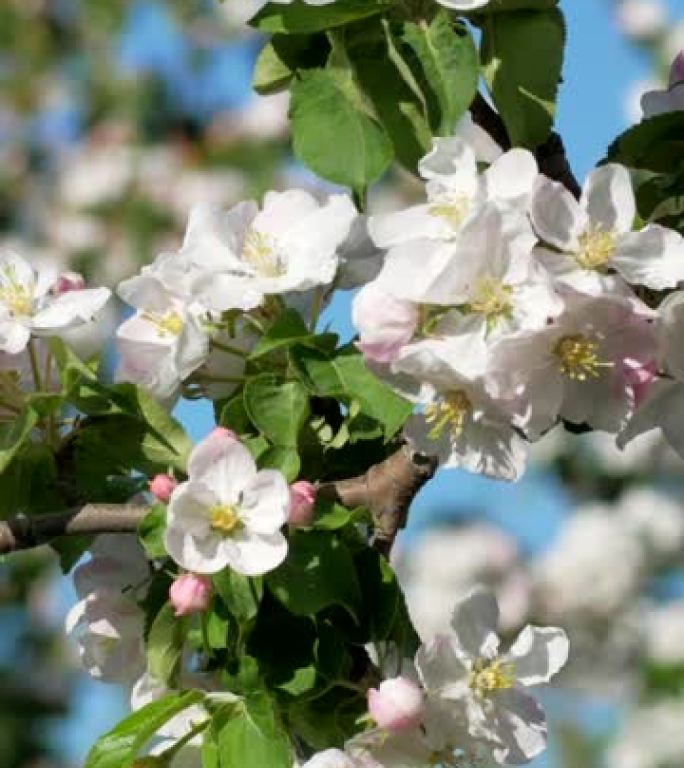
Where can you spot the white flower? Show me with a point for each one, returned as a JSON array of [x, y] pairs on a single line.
[[456, 192], [163, 342], [463, 5], [240, 256], [467, 678], [576, 368], [641, 19], [227, 513], [664, 633], [331, 758], [117, 564], [108, 628], [595, 235], [656, 518], [27, 305], [660, 102]]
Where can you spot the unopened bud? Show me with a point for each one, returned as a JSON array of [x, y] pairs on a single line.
[[190, 593], [162, 486], [397, 705], [68, 281], [302, 501], [677, 69]]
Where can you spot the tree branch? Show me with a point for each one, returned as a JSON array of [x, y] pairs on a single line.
[[387, 489], [551, 156]]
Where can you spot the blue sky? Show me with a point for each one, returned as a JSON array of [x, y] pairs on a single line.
[[599, 67]]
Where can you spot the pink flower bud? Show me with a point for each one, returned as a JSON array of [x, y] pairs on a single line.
[[677, 69], [68, 281], [190, 593], [161, 486], [302, 500], [385, 323], [224, 433], [397, 705], [639, 377]]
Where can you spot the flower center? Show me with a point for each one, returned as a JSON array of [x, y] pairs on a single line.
[[16, 297], [579, 357], [452, 209], [259, 250], [492, 299], [168, 324], [488, 676], [596, 247], [449, 413], [225, 519]]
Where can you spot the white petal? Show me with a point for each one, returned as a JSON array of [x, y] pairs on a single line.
[[205, 555], [474, 621], [521, 726], [664, 408], [145, 291], [608, 198], [16, 270], [556, 215], [265, 502], [653, 257], [539, 653], [451, 162], [69, 308], [14, 336], [189, 508], [392, 229], [221, 292], [438, 664], [283, 210], [491, 448], [255, 554], [223, 464], [485, 148], [512, 177]]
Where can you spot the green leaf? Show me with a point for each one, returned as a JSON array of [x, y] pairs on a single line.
[[28, 484], [288, 329], [120, 747], [13, 434], [282, 458], [318, 572], [282, 56], [151, 532], [450, 63], [522, 58], [278, 408], [330, 516], [234, 416], [165, 645], [240, 594], [507, 6], [333, 134], [344, 375], [655, 144], [300, 18]]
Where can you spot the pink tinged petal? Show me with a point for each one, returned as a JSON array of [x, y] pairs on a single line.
[[664, 408], [677, 69], [223, 464], [608, 198], [68, 281], [254, 554], [556, 215], [265, 502], [512, 177], [190, 593], [385, 323], [14, 337], [439, 666], [302, 502], [639, 377], [520, 726], [474, 620], [161, 487], [653, 257], [397, 705], [539, 653]]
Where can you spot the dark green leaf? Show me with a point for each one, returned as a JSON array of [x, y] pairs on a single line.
[[284, 459], [300, 18], [278, 408], [165, 645], [655, 144], [151, 532], [13, 434], [282, 56], [240, 594], [288, 329]]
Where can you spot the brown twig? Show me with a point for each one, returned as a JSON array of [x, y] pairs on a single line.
[[387, 489]]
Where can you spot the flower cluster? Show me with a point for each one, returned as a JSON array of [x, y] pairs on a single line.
[[463, 700], [504, 305]]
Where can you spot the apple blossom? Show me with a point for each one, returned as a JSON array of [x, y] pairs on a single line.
[[190, 593], [467, 678], [660, 102], [27, 305], [455, 194], [331, 758], [68, 281], [397, 705], [227, 513], [463, 5], [651, 737], [595, 234], [161, 486], [302, 502], [641, 19], [240, 256]]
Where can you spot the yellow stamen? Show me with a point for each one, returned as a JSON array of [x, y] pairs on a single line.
[[168, 324], [452, 209], [260, 252], [596, 248], [450, 412], [491, 298], [488, 676], [16, 297], [225, 519], [579, 357]]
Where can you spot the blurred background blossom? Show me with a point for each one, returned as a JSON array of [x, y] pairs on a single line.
[[116, 117]]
